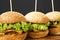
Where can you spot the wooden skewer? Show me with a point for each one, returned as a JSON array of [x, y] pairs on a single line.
[[35, 5], [11, 5], [52, 5]]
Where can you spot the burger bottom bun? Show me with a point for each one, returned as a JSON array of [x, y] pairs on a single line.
[[14, 37], [54, 31], [38, 34]]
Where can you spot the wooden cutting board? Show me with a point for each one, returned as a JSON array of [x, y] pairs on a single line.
[[46, 38]]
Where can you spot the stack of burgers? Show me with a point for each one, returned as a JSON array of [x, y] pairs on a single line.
[[16, 26]]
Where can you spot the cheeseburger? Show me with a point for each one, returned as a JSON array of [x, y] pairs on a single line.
[[39, 24], [13, 26], [54, 18]]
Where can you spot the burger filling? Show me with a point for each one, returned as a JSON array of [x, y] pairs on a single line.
[[39, 27], [54, 24], [14, 27], [22, 27]]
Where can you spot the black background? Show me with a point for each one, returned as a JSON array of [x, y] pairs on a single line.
[[25, 6]]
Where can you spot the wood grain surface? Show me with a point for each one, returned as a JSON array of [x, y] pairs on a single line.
[[46, 38]]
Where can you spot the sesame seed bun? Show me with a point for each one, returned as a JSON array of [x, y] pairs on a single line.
[[11, 17], [53, 16], [36, 17]]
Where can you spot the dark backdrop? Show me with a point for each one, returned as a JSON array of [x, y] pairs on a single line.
[[25, 6]]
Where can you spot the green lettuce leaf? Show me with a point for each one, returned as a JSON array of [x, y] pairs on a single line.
[[24, 26], [34, 27], [5, 26], [42, 27]]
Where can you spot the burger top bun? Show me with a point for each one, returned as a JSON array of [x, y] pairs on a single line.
[[53, 16], [36, 17], [11, 17]]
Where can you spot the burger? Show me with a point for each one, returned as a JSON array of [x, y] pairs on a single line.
[[13, 26], [39, 24], [54, 18]]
